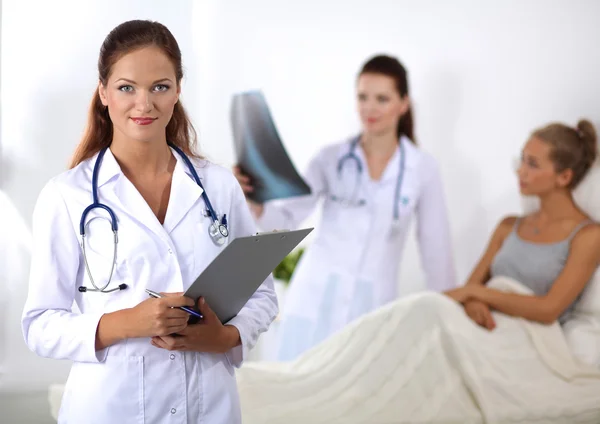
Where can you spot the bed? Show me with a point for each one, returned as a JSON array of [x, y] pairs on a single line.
[[421, 360]]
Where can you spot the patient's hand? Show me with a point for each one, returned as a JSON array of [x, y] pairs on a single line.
[[480, 313]]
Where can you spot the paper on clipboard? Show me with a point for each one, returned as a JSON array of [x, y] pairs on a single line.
[[259, 151]]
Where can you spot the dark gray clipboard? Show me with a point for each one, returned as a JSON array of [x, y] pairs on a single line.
[[238, 271]]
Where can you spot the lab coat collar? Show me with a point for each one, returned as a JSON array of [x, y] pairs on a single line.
[[184, 193], [393, 167], [109, 168]]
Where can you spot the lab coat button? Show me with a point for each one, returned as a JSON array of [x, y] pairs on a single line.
[[173, 410], [170, 252], [172, 356]]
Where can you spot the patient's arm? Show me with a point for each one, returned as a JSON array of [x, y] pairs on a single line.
[[481, 273], [477, 310], [583, 259]]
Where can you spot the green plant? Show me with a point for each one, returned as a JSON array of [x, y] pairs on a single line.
[[286, 267]]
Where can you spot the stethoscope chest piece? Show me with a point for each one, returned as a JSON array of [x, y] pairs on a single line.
[[218, 233]]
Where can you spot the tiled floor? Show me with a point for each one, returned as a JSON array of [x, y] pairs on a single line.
[[20, 408]]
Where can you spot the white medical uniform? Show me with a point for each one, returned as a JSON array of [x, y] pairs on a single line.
[[351, 266], [133, 381]]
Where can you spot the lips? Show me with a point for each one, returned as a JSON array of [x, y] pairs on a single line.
[[371, 120], [143, 120]]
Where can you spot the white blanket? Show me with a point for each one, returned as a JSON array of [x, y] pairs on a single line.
[[422, 360]]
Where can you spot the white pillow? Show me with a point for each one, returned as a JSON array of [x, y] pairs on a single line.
[[583, 329]]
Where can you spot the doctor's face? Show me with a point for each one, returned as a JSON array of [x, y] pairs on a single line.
[[380, 105], [537, 172], [140, 93]]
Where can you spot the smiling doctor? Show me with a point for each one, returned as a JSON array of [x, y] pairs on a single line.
[[138, 210], [371, 187]]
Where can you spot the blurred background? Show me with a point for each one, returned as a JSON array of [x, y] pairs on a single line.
[[482, 75]]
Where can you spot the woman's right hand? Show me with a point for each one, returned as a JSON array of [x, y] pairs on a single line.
[[243, 179], [159, 317], [480, 313], [246, 184]]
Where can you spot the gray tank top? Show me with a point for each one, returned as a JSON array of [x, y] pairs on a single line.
[[535, 265]]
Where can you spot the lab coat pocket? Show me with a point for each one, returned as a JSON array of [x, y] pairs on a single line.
[[105, 393], [221, 398]]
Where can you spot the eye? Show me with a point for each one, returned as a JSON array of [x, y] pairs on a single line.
[[383, 99], [126, 88], [362, 97], [161, 87]]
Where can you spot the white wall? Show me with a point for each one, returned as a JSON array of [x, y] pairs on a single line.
[[482, 76], [49, 53]]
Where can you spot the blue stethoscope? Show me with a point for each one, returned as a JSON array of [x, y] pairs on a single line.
[[218, 230], [352, 200]]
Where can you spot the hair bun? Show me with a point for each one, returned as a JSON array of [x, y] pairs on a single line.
[[587, 133]]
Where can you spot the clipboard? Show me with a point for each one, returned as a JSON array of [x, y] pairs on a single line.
[[238, 271]]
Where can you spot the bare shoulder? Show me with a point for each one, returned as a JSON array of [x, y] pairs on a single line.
[[585, 246], [588, 236], [502, 230], [506, 225]]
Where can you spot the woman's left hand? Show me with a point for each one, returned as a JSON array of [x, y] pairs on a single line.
[[210, 335], [460, 294]]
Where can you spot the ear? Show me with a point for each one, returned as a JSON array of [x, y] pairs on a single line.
[[564, 178], [178, 93], [102, 94], [404, 105]]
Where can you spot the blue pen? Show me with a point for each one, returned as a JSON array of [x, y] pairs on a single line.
[[184, 308]]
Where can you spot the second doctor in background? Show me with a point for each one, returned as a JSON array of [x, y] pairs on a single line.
[[137, 162], [372, 186]]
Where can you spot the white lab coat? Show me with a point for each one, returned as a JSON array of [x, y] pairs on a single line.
[[133, 381], [351, 266]]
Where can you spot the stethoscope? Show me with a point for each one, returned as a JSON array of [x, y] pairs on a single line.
[[218, 230], [352, 200]]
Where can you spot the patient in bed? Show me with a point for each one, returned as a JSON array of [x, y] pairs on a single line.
[[553, 251], [491, 351]]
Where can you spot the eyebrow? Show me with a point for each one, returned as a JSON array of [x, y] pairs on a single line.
[[133, 82]]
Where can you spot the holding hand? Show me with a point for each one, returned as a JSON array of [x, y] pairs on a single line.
[[459, 294], [210, 335], [247, 187], [243, 179], [159, 317], [480, 313]]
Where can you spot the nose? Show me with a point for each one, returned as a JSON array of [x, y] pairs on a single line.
[[143, 103], [367, 106]]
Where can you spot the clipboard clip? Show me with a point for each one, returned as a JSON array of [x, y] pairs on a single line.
[[271, 232]]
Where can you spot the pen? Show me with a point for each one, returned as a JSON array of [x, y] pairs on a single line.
[[185, 308]]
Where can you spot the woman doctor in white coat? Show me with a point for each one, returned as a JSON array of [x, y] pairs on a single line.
[[371, 186], [171, 213]]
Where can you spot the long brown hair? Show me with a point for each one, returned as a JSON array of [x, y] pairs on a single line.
[[124, 39], [391, 67]]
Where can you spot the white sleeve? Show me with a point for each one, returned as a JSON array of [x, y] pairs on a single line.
[[287, 214], [50, 328], [433, 231], [262, 308]]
